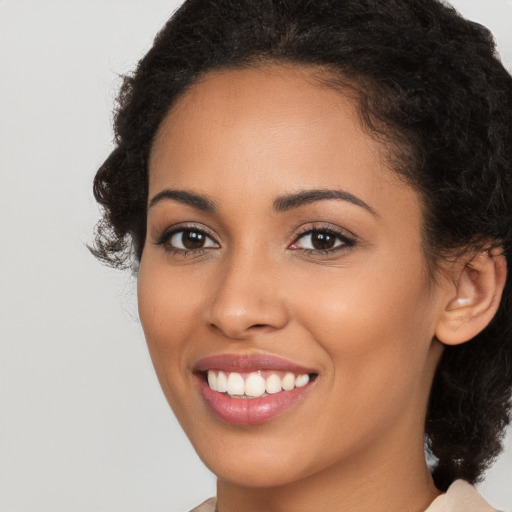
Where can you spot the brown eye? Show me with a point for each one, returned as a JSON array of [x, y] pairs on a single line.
[[189, 240], [322, 240], [192, 239]]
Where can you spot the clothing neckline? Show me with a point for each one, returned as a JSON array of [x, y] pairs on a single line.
[[461, 496]]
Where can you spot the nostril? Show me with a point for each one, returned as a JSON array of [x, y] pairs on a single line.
[[236, 331], [236, 315]]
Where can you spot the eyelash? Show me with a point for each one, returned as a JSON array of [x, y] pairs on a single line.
[[347, 241], [167, 235]]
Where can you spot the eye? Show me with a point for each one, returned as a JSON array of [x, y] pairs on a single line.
[[322, 240], [185, 240]]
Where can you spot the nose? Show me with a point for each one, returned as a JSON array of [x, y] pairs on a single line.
[[246, 298]]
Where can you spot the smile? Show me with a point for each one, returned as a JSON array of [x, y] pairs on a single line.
[[255, 384], [247, 390]]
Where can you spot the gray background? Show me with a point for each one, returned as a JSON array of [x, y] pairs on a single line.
[[84, 426]]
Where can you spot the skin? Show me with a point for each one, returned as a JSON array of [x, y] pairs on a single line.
[[363, 317]]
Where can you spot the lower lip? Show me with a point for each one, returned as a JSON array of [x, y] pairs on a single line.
[[250, 411]]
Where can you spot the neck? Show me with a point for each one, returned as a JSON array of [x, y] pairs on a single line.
[[381, 479]]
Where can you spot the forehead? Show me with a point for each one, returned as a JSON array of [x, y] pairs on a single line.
[[272, 100], [267, 131]]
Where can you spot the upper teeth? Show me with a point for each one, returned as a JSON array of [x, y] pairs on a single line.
[[254, 384]]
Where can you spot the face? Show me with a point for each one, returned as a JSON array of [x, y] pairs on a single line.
[[283, 263]]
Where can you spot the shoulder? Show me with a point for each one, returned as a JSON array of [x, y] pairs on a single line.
[[460, 497], [206, 506]]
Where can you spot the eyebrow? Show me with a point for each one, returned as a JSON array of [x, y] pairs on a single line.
[[197, 201], [281, 204], [304, 197]]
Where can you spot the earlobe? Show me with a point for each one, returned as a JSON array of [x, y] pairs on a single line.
[[475, 300]]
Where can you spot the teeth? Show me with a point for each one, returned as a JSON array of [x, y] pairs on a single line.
[[212, 380], [288, 382], [254, 385], [273, 384], [222, 382], [301, 380], [235, 384]]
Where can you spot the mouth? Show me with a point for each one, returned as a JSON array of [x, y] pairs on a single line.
[[260, 383], [247, 390]]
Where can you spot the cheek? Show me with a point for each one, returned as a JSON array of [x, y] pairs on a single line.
[[375, 299], [166, 300], [167, 309], [376, 325]]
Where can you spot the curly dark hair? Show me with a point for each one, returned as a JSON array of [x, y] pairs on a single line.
[[429, 83]]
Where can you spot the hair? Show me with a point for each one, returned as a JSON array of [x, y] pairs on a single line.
[[430, 85]]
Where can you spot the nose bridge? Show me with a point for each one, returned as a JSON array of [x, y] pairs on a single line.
[[244, 297]]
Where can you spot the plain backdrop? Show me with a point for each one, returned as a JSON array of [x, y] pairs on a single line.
[[84, 426]]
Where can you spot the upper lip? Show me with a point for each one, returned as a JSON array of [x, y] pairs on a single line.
[[248, 363]]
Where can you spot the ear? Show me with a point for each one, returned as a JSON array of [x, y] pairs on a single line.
[[476, 298]]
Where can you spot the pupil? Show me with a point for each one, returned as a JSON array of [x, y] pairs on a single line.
[[192, 239], [322, 241]]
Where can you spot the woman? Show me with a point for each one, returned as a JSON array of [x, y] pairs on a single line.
[[317, 195]]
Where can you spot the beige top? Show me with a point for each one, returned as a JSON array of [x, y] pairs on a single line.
[[460, 497]]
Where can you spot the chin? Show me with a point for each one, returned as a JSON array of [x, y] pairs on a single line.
[[255, 472]]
